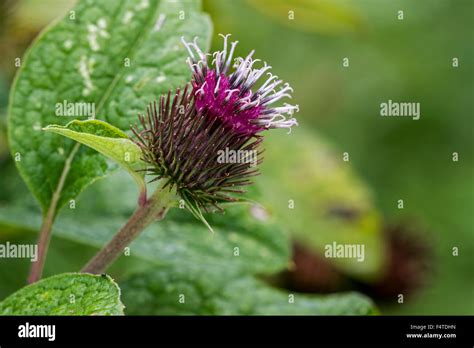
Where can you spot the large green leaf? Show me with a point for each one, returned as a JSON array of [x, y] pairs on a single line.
[[109, 141], [115, 55], [262, 246], [317, 196], [66, 294], [171, 291]]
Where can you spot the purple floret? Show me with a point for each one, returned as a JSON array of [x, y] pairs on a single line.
[[225, 104], [229, 95]]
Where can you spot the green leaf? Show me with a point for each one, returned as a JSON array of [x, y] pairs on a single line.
[[263, 246], [330, 202], [66, 294], [178, 291], [109, 141], [117, 56]]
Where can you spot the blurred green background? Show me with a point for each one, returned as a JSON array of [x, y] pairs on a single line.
[[403, 60]]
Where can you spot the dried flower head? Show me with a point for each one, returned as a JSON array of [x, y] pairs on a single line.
[[229, 96]]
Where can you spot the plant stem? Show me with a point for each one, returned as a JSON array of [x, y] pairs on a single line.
[[43, 242], [154, 208], [48, 220]]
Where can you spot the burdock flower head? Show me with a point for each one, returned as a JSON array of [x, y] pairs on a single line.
[[203, 141]]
